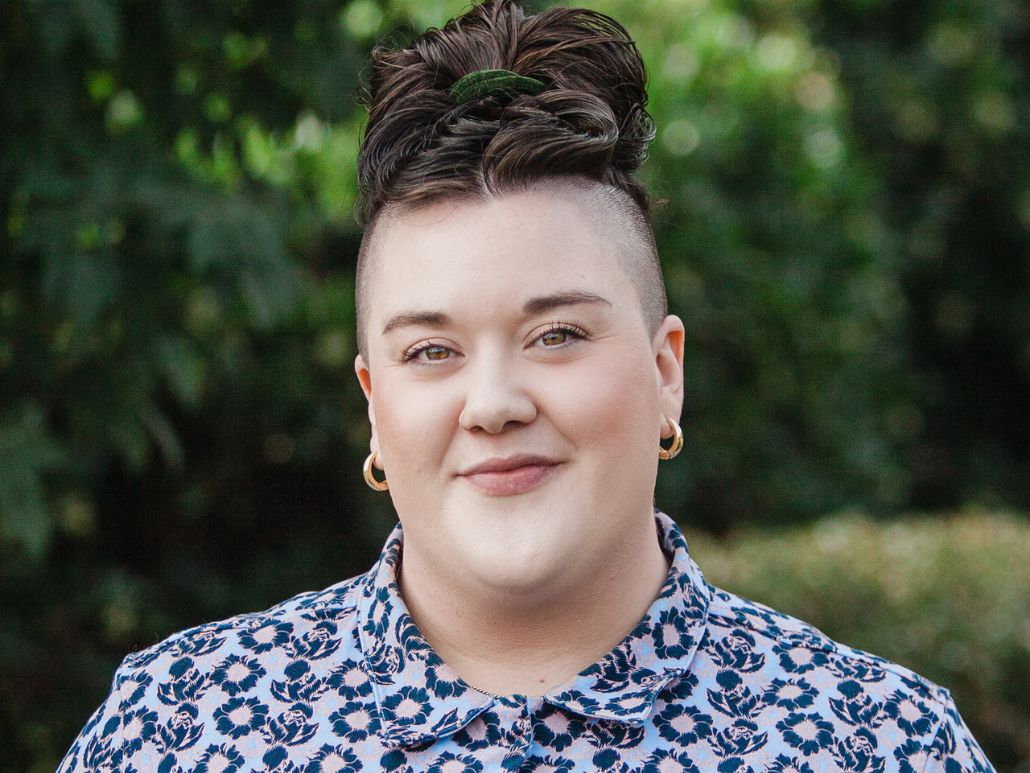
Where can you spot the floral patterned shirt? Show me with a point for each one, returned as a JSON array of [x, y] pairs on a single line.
[[342, 681]]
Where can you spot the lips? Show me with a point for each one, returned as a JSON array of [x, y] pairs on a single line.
[[510, 475]]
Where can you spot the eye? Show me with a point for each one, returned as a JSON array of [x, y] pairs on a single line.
[[558, 335], [554, 337], [435, 353], [427, 352]]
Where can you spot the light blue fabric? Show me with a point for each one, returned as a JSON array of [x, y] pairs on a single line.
[[342, 680]]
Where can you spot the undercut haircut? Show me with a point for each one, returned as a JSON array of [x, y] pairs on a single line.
[[585, 134]]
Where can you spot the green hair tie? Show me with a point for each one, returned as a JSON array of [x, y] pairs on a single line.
[[489, 83]]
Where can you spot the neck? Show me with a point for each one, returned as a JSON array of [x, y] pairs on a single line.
[[526, 643]]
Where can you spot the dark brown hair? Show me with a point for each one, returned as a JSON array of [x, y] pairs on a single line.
[[590, 122]]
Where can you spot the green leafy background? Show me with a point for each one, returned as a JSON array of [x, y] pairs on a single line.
[[845, 237]]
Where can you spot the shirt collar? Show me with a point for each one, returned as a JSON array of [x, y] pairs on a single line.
[[420, 698]]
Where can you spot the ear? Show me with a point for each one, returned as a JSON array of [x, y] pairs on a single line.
[[365, 379], [668, 354]]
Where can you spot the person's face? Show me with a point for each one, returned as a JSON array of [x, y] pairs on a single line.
[[515, 396]]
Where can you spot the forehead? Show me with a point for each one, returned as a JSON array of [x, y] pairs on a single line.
[[492, 253]]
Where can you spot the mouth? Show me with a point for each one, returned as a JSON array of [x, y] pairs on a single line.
[[510, 475]]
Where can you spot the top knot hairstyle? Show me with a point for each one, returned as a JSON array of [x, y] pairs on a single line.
[[497, 102], [590, 119]]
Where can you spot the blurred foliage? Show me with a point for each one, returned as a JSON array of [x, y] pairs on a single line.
[[947, 597], [848, 190]]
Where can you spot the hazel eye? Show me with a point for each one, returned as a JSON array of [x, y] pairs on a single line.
[[554, 337], [428, 352], [435, 353], [558, 336]]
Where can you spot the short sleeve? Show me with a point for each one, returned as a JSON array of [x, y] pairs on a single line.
[[954, 749]]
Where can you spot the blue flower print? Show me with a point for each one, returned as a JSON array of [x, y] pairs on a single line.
[[100, 756], [548, 764], [291, 728], [858, 753], [683, 725], [784, 764], [379, 614], [734, 699], [608, 759], [240, 716], [318, 642], [858, 670], [130, 689], [443, 682], [333, 759], [665, 761], [237, 675], [448, 762], [671, 637], [790, 694], [300, 684], [187, 683], [740, 738], [736, 652], [411, 640], [734, 765], [203, 642], [220, 759], [266, 637], [137, 727], [617, 670], [607, 733], [481, 732], [350, 680], [271, 699], [355, 721], [806, 732], [384, 661], [800, 660], [911, 715], [911, 757], [679, 689], [408, 706], [181, 732], [856, 708], [556, 729]]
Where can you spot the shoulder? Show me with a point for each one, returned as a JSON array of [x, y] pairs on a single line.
[[303, 625], [292, 653], [806, 693], [795, 647]]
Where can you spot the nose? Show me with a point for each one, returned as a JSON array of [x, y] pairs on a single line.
[[495, 396]]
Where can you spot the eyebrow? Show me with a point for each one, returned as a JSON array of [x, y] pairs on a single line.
[[546, 303], [532, 307], [416, 318]]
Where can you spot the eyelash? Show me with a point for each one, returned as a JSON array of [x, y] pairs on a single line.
[[562, 327], [423, 346], [412, 354]]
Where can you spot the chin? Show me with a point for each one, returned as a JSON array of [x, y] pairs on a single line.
[[518, 572]]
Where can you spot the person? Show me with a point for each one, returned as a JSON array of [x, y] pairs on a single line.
[[532, 611]]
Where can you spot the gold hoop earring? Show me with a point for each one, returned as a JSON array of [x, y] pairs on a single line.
[[677, 441], [370, 479]]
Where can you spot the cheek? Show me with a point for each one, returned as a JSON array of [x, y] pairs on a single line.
[[414, 424], [601, 405]]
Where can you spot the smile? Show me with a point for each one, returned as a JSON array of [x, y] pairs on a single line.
[[512, 475]]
